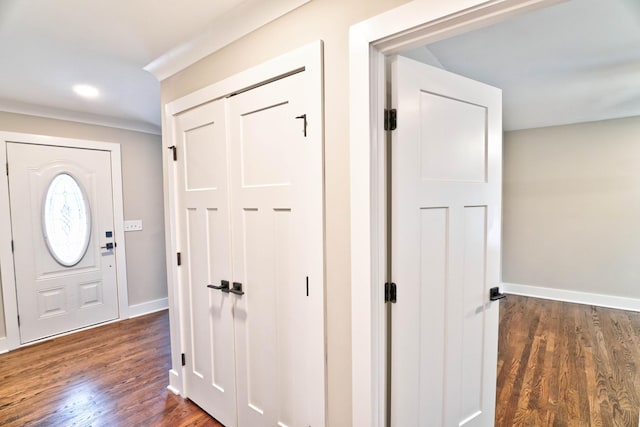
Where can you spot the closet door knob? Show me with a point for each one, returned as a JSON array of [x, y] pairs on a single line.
[[224, 286], [237, 289]]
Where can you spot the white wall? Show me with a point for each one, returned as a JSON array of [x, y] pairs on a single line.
[[142, 193], [328, 20], [572, 208]]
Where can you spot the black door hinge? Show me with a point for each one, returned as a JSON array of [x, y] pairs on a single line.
[[18, 320], [175, 152], [184, 360], [179, 257], [7, 168], [390, 292], [390, 119], [12, 247]]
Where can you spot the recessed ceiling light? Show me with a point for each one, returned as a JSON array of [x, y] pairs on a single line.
[[86, 91]]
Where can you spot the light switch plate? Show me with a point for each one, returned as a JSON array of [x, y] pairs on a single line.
[[133, 225]]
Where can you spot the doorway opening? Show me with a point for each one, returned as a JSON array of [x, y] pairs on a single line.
[[404, 29], [64, 267]]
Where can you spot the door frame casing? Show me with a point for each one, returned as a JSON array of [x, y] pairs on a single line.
[[7, 272], [370, 42], [308, 58]]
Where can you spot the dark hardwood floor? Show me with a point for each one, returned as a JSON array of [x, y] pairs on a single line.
[[114, 375], [563, 364], [559, 364]]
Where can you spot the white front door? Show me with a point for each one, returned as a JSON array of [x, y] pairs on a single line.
[[276, 200], [64, 246], [445, 247], [204, 244]]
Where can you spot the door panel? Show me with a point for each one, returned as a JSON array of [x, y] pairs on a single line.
[[55, 296], [430, 306], [277, 324], [445, 234], [448, 151], [474, 286], [258, 145], [204, 243]]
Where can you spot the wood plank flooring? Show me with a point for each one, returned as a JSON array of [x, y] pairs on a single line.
[[114, 375], [563, 364], [559, 365]]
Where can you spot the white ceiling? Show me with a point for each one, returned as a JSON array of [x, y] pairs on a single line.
[[577, 61], [574, 62], [46, 47]]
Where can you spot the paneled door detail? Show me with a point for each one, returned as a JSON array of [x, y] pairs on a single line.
[[445, 247], [276, 193], [64, 249], [204, 242], [248, 170]]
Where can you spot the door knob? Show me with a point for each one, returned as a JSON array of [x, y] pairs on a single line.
[[495, 295], [224, 286], [237, 289]]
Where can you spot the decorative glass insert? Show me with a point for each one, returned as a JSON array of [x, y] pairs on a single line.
[[66, 220]]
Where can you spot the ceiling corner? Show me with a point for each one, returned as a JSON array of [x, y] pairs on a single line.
[[224, 30]]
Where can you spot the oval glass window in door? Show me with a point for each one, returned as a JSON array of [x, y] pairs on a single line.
[[66, 220]]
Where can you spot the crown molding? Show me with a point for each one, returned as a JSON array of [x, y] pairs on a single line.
[[17, 107], [224, 30]]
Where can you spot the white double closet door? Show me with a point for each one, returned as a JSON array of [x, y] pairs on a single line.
[[250, 218]]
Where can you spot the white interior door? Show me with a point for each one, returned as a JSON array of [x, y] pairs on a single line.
[[445, 247], [204, 244], [62, 222], [276, 193]]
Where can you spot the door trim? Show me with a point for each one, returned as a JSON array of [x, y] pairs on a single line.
[[307, 58], [370, 41], [7, 273]]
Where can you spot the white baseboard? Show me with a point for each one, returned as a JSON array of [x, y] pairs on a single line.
[[148, 307], [174, 382], [4, 345], [173, 390], [601, 300]]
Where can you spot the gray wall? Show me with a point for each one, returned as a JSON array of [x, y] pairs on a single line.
[[572, 207], [142, 193]]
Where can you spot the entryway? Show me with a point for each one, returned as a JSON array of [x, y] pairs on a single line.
[[445, 215], [65, 202]]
